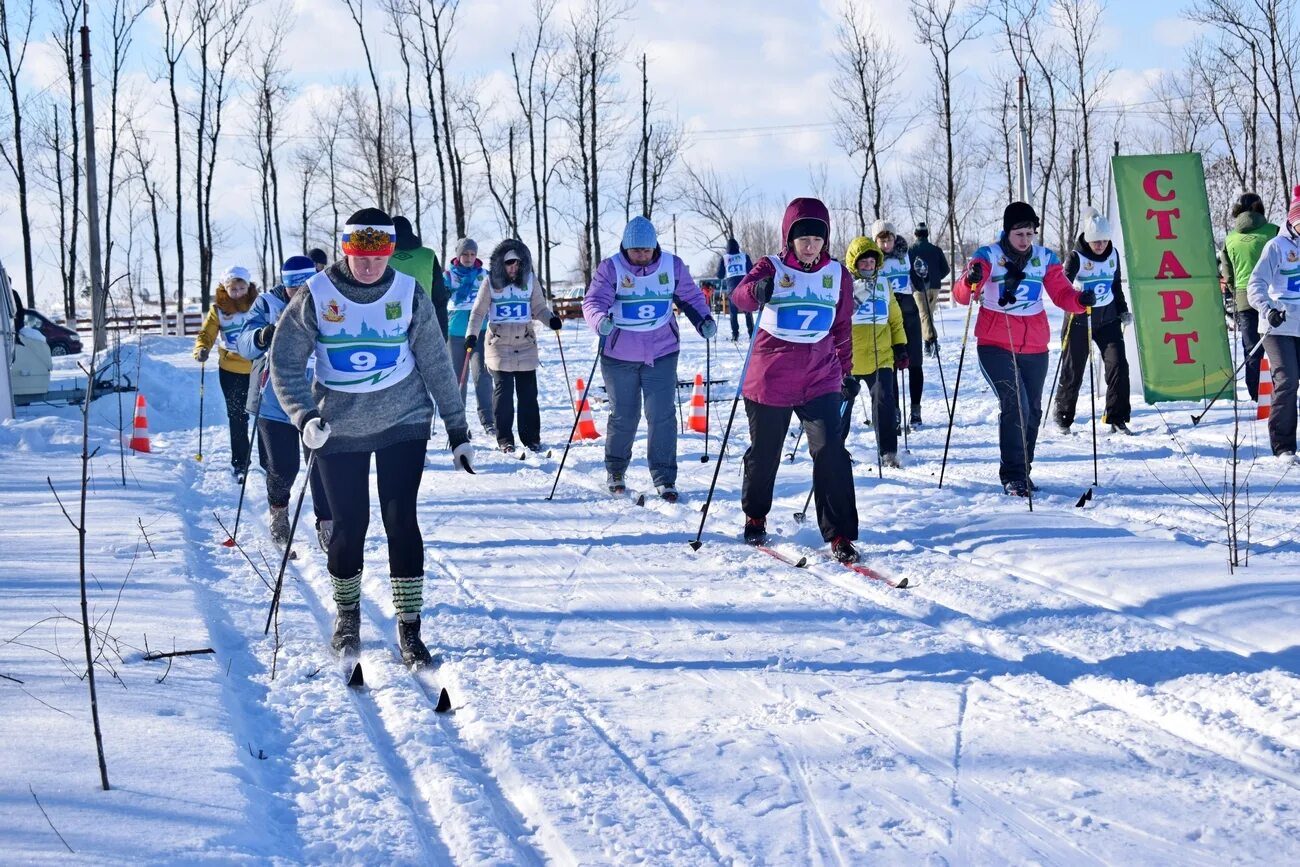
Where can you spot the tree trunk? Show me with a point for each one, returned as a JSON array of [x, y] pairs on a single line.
[[595, 177]]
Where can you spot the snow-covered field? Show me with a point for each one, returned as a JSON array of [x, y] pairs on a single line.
[[1069, 686]]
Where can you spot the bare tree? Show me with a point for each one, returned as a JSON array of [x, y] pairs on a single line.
[[439, 16], [66, 37], [504, 192], [357, 9], [533, 90], [398, 13], [943, 30], [143, 176], [14, 39], [174, 47], [307, 164], [123, 18], [716, 201], [1082, 20], [271, 91]]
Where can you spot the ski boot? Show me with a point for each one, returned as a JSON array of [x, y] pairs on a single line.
[[1063, 427], [915, 421], [842, 549], [890, 459], [755, 531], [508, 448], [280, 526], [324, 531], [414, 654], [535, 448], [346, 640], [1016, 488], [617, 486], [1120, 428], [669, 493]]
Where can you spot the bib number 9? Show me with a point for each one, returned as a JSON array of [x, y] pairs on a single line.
[[363, 361]]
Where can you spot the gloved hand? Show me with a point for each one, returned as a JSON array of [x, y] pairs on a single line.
[[556, 323], [605, 327], [1087, 298], [471, 343], [901, 361], [932, 347], [1007, 296], [1126, 318], [201, 353], [708, 328], [315, 433], [849, 388], [1276, 317], [262, 336], [763, 290], [462, 453], [975, 273]]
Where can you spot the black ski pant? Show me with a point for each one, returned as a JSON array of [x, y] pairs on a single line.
[[1284, 364], [504, 386], [883, 388], [234, 387], [837, 509], [1074, 369], [912, 328], [346, 479], [1248, 328], [1017, 379], [278, 449]]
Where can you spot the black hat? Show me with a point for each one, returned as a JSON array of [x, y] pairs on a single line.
[[319, 256], [406, 237], [922, 230], [807, 227], [1019, 215]]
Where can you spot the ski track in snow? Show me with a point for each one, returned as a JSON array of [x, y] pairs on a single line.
[[1072, 686]]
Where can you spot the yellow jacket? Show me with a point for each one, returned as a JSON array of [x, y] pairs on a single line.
[[226, 319], [873, 345]]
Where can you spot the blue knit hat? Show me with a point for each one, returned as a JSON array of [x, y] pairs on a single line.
[[640, 232], [297, 270]]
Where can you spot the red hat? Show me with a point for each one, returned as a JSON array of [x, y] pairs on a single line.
[[1293, 215]]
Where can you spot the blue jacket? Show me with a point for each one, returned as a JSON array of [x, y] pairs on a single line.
[[265, 311]]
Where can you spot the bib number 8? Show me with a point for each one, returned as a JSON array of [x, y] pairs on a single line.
[[646, 311]]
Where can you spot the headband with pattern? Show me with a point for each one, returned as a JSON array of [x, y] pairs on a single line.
[[361, 240]]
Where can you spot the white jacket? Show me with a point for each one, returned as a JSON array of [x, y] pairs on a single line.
[[1275, 283]]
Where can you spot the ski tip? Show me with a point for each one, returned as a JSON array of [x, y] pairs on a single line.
[[640, 500], [1087, 495], [801, 563], [444, 701], [799, 517], [902, 583], [356, 678], [229, 543]]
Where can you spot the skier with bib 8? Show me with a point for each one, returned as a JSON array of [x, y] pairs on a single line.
[[381, 366], [801, 362], [1008, 279]]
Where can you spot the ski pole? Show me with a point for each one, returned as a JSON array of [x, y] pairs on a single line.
[[203, 369], [1196, 419], [789, 456], [288, 548], [243, 484], [929, 314], [907, 425], [464, 368], [708, 376], [952, 413], [1065, 346], [845, 408], [565, 367], [866, 414], [1092, 397], [1020, 411], [586, 388], [726, 435]]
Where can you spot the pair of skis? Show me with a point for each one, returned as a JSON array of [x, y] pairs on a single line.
[[355, 678], [802, 562]]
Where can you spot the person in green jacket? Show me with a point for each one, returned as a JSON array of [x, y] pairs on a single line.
[[414, 259], [1241, 251]]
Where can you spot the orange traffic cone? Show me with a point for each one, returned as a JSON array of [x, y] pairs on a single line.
[[1265, 389], [140, 427], [699, 422], [586, 424]]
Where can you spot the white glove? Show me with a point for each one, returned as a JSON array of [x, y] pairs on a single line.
[[462, 457], [315, 433]]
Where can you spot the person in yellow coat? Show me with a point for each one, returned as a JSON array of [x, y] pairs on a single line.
[[879, 344], [225, 320]]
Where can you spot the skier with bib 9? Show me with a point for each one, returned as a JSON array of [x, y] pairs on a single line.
[[225, 320], [509, 300], [1008, 279], [1094, 264], [381, 366], [278, 441], [879, 344], [801, 362], [630, 305], [1274, 293]]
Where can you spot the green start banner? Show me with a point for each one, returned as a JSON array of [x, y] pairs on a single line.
[[1173, 280]]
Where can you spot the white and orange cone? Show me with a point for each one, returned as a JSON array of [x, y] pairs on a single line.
[[139, 427], [586, 424], [698, 422]]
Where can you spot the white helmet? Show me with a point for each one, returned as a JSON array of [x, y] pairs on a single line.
[[1095, 226]]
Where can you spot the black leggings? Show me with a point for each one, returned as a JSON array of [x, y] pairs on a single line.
[[278, 447], [912, 329], [346, 478], [504, 386], [234, 386], [883, 388]]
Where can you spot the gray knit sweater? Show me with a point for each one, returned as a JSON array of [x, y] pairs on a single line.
[[367, 421]]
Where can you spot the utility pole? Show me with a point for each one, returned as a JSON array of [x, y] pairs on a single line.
[[97, 299]]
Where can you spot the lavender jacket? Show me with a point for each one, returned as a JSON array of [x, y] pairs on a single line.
[[642, 346]]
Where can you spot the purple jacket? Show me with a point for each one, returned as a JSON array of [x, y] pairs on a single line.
[[782, 373], [642, 346]]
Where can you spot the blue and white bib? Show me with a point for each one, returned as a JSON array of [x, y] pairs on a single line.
[[1029, 294], [870, 301], [464, 289], [735, 264], [1099, 277], [512, 304], [231, 325], [802, 309], [897, 274], [644, 302], [362, 347]]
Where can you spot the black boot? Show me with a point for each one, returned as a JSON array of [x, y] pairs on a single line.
[[842, 549], [755, 531], [915, 421], [347, 631], [414, 653]]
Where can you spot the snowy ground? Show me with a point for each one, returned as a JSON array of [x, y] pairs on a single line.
[[1068, 686]]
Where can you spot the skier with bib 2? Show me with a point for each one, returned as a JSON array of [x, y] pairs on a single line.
[[381, 366]]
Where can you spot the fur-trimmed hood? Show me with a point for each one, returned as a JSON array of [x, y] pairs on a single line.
[[228, 305], [497, 265]]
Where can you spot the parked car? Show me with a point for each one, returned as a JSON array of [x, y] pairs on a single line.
[[61, 340]]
